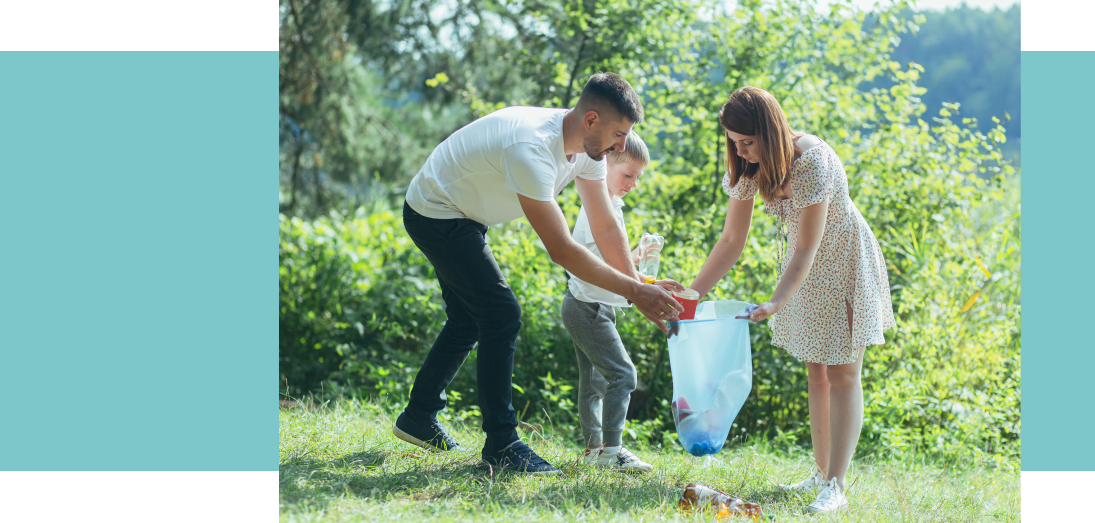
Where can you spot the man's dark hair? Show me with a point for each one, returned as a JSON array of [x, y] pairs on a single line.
[[609, 91]]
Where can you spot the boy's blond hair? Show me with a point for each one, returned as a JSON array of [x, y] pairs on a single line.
[[635, 152]]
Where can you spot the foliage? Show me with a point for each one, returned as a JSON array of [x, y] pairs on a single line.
[[355, 299], [355, 122], [945, 384]]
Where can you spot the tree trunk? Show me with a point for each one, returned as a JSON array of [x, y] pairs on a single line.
[[574, 72], [718, 162], [320, 204], [294, 180]]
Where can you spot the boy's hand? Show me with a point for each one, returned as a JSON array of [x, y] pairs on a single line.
[[670, 285], [649, 245], [651, 251]]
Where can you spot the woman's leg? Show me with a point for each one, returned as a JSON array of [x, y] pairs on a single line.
[[819, 413], [845, 413]]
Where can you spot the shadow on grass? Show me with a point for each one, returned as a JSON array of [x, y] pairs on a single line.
[[360, 460], [312, 483], [380, 477]]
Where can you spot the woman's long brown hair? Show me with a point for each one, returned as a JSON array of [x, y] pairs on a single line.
[[752, 111]]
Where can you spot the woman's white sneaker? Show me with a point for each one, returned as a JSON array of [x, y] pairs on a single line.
[[829, 500], [616, 458], [811, 483]]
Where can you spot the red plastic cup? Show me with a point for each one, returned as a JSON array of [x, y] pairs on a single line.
[[688, 299], [681, 409]]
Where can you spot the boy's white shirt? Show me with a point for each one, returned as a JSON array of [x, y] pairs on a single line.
[[479, 170], [584, 291]]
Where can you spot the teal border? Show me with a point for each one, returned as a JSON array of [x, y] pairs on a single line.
[[1058, 351], [137, 325]]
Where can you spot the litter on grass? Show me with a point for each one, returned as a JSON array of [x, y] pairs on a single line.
[[699, 497]]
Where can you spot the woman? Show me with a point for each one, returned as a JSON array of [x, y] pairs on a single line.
[[833, 296]]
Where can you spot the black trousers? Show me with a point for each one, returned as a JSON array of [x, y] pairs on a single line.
[[481, 308]]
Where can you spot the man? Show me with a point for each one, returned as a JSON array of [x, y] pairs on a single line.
[[508, 164]]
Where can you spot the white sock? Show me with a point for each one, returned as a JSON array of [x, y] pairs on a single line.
[[611, 450]]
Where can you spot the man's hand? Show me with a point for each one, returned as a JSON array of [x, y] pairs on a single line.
[[657, 305]]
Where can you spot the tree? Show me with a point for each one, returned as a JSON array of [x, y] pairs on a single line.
[[357, 116]]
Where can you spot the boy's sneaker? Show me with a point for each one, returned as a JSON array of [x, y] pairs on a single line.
[[518, 457], [829, 500], [621, 460], [428, 436], [811, 483], [589, 457]]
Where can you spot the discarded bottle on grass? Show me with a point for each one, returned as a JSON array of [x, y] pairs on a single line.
[[650, 248], [712, 365], [699, 497]]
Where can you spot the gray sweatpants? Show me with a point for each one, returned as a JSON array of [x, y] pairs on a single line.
[[606, 375]]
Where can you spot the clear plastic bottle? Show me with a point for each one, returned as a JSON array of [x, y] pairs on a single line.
[[699, 497], [650, 247]]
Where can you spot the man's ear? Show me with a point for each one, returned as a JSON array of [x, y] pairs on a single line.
[[590, 118]]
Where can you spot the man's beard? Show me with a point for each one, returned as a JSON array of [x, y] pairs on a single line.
[[594, 149]]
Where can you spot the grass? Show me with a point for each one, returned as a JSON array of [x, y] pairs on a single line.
[[340, 462]]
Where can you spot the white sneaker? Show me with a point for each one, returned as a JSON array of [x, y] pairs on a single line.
[[622, 460], [811, 483], [829, 500], [589, 457]]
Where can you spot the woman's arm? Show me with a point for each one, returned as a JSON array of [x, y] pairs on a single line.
[[811, 230], [739, 213]]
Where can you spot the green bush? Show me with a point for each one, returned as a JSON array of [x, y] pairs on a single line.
[[360, 306], [357, 302]]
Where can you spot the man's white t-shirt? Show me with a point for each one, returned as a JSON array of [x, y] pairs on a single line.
[[478, 171], [585, 291]]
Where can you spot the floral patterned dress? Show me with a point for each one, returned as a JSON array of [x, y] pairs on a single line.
[[848, 267]]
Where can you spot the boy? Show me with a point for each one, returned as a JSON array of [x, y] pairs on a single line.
[[606, 375]]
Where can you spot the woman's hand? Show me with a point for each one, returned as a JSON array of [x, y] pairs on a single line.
[[763, 311], [670, 285]]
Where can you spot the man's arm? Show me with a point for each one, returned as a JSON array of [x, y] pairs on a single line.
[[610, 239], [547, 220]]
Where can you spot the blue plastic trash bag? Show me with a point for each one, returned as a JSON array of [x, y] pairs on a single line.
[[712, 366]]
